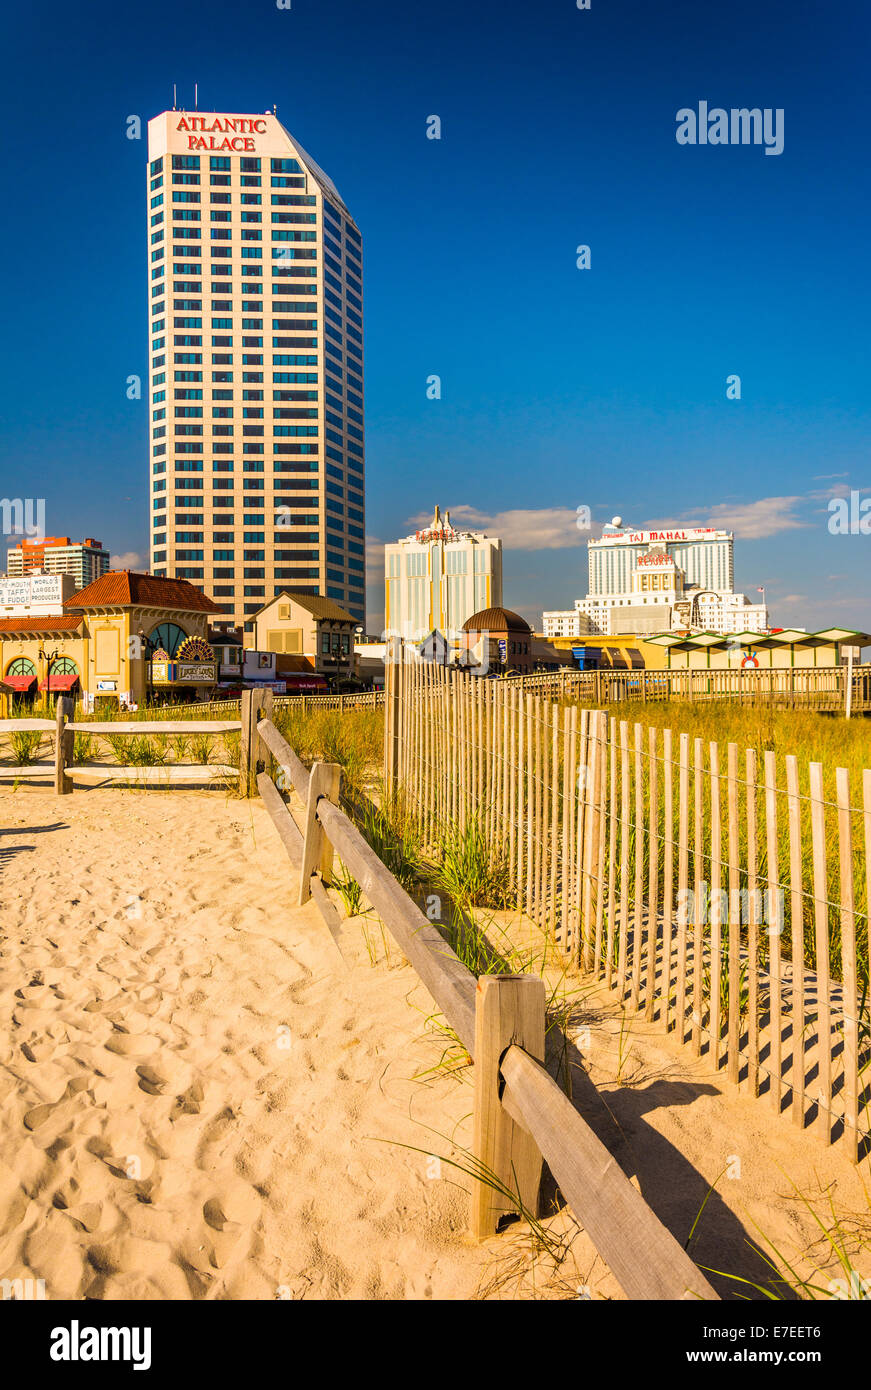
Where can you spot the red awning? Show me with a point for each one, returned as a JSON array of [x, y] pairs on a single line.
[[19, 682], [60, 682]]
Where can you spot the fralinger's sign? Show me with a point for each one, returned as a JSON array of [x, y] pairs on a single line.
[[234, 133]]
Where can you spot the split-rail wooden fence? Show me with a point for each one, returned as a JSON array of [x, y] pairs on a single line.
[[521, 1116]]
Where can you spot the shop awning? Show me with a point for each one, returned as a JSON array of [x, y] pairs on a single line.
[[60, 682], [20, 682]]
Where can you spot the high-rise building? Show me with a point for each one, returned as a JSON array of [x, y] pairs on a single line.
[[85, 560], [438, 577], [650, 581], [256, 366]]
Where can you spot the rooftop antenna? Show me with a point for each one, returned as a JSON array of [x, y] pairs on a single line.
[[196, 100], [174, 97]]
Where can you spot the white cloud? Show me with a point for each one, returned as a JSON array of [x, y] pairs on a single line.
[[130, 560], [749, 520], [545, 528], [374, 559]]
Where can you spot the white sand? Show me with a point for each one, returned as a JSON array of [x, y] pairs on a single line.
[[166, 1013], [196, 1085]]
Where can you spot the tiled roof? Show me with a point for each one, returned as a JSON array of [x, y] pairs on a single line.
[[67, 623], [126, 588], [315, 604]]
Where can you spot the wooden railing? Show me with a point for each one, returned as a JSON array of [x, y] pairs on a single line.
[[360, 699], [820, 688], [521, 1116], [65, 729]]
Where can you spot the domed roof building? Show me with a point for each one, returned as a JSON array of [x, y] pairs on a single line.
[[510, 644], [508, 640], [496, 620]]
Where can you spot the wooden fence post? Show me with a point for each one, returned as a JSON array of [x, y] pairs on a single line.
[[64, 743], [392, 726], [508, 1009], [317, 852], [247, 742], [256, 704]]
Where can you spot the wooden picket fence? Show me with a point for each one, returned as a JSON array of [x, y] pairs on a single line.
[[727, 900]]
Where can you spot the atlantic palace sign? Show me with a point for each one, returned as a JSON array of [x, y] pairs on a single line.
[[235, 134]]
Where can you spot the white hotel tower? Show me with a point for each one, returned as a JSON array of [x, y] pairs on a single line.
[[256, 456], [650, 581], [438, 577]]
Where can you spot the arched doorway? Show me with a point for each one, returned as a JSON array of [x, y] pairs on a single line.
[[62, 678], [21, 678]]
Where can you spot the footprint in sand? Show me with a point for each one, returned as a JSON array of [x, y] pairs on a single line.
[[190, 1101], [214, 1136], [38, 1049], [132, 1044], [92, 1216], [151, 1081], [34, 1119]]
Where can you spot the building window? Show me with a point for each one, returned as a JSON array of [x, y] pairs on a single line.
[[169, 636]]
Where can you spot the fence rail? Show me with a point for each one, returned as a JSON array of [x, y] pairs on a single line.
[[831, 688], [725, 895], [362, 699], [520, 1114], [65, 729]]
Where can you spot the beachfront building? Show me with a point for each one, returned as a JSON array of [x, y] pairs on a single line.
[[43, 654], [124, 639], [309, 633], [256, 366], [438, 577], [653, 581], [85, 560]]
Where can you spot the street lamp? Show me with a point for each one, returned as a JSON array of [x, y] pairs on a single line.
[[144, 644], [49, 659]]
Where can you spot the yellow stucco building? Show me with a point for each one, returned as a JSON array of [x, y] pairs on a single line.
[[122, 639]]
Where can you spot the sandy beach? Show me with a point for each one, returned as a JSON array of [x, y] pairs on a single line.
[[203, 1095]]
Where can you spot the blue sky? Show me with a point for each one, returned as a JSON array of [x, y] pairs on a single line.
[[560, 387]]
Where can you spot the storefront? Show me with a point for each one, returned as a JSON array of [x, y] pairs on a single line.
[[183, 681], [42, 657], [147, 640]]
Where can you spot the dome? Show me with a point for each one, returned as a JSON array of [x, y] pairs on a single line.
[[496, 620]]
